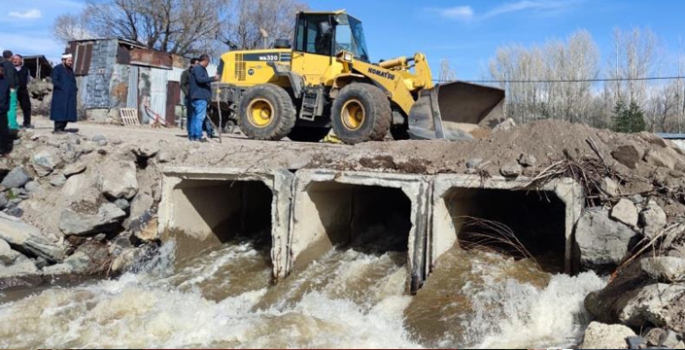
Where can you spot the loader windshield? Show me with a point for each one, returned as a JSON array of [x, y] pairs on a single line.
[[349, 36]]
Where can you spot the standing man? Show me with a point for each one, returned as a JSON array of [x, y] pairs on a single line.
[[63, 109], [12, 80], [5, 142], [24, 78], [201, 94], [185, 87]]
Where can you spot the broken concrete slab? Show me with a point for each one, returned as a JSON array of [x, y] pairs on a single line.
[[203, 206], [355, 209]]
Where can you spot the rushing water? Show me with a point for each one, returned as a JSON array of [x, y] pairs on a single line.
[[347, 298]]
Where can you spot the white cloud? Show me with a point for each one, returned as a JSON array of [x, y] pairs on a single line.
[[458, 12], [466, 13], [30, 14]]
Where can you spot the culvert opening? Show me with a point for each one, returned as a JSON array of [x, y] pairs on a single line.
[[369, 219], [209, 213], [512, 222]]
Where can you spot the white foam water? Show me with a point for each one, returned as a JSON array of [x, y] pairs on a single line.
[[347, 299]]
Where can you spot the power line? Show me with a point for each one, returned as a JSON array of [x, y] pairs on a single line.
[[534, 81]]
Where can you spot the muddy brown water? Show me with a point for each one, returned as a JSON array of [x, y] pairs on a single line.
[[348, 298]]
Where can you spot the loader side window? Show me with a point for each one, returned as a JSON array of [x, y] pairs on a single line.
[[310, 38]]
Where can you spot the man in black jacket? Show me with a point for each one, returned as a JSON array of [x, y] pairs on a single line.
[[13, 81], [5, 141], [185, 87], [201, 94], [24, 77]]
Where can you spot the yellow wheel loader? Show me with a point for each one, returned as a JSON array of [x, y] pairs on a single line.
[[325, 80]]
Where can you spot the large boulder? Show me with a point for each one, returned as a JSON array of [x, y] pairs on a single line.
[[16, 178], [628, 155], [7, 255], [659, 159], [108, 217], [603, 243], [81, 188], [23, 266], [118, 179], [45, 161], [653, 219], [90, 257], [664, 268], [625, 212], [140, 208], [660, 305], [602, 336], [27, 238]]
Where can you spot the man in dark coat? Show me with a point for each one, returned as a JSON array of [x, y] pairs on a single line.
[[12, 79], [24, 77], [63, 109], [185, 87], [5, 141], [201, 94]]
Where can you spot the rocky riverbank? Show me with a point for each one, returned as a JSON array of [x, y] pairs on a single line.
[[85, 205]]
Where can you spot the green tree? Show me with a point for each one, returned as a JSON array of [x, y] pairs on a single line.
[[628, 120]]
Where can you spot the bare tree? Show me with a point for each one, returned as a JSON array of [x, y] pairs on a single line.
[[70, 27], [250, 19], [447, 73], [549, 81], [176, 26]]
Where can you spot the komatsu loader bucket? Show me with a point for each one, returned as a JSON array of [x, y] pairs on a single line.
[[438, 111]]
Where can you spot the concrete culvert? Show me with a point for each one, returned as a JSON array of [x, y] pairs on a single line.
[[205, 208], [510, 222], [501, 215], [370, 213]]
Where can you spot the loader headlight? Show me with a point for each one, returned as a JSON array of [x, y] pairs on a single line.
[[345, 56]]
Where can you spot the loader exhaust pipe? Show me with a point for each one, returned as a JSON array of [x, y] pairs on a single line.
[[437, 111]]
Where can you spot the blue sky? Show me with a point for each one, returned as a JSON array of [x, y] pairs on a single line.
[[467, 33]]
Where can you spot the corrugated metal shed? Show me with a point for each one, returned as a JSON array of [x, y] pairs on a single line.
[[117, 73], [132, 96], [158, 93]]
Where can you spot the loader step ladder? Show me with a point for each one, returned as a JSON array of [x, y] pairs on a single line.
[[129, 116], [312, 104]]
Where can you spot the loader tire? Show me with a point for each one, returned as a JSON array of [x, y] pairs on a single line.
[[361, 113], [267, 112]]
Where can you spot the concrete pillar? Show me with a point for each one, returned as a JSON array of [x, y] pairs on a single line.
[[205, 206]]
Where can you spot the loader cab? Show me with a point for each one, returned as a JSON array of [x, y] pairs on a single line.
[[319, 37]]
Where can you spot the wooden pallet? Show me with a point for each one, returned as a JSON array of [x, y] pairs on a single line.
[[129, 116]]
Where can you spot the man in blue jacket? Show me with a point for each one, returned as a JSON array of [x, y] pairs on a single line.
[[63, 108], [201, 94], [5, 141]]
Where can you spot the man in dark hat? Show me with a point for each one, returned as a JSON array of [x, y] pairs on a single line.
[[63, 108], [24, 77], [12, 80]]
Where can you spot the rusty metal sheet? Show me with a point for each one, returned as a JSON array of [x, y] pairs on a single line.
[[151, 58], [180, 62], [173, 99], [82, 58]]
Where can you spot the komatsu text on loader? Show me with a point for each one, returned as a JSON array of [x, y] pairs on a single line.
[[327, 81]]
